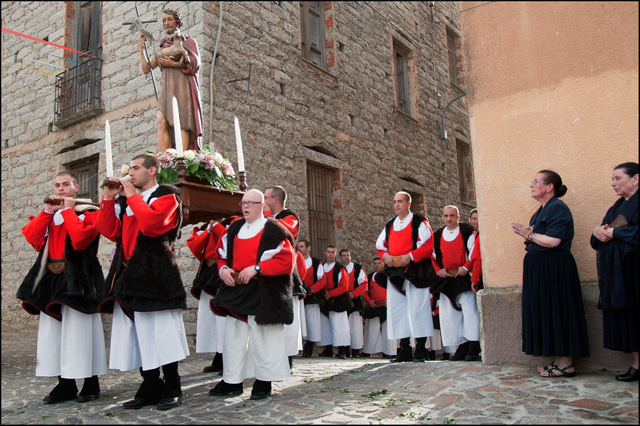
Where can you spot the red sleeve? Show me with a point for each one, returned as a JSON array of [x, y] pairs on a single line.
[[318, 285], [382, 252], [35, 231], [343, 284], [366, 297], [158, 218], [291, 223], [425, 250], [80, 233], [197, 242], [283, 262], [477, 262], [106, 221], [435, 265], [302, 266], [362, 288]]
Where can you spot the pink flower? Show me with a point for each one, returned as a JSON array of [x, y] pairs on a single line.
[[227, 168]]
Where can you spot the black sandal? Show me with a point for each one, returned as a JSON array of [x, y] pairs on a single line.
[[549, 367], [563, 372]]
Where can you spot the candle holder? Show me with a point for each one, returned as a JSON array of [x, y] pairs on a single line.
[[182, 174], [242, 176]]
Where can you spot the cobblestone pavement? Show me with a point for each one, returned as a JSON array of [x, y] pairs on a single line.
[[330, 391]]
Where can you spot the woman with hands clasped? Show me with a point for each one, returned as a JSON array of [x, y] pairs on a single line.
[[553, 320], [616, 241]]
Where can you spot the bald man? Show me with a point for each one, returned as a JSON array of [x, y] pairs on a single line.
[[405, 246], [256, 260]]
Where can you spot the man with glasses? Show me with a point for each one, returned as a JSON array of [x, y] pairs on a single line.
[[256, 260]]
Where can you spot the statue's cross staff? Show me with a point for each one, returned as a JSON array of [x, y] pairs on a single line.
[[136, 25]]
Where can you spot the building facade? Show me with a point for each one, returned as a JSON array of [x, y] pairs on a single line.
[[342, 103], [552, 85]]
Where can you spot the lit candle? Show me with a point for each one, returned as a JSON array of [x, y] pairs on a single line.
[[176, 128], [107, 148], [239, 146]]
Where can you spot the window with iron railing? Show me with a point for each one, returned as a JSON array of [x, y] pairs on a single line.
[[77, 96], [78, 93]]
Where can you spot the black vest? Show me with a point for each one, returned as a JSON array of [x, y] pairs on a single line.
[[275, 305], [151, 280]]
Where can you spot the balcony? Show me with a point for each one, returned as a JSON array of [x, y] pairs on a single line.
[[78, 93]]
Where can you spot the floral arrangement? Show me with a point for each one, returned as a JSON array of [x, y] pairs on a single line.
[[207, 166]]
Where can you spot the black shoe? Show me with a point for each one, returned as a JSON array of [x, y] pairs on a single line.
[[216, 364], [473, 358], [385, 356], [259, 395], [347, 352], [54, 399], [327, 352], [65, 390], [209, 369], [631, 375], [223, 389], [90, 389], [355, 353], [167, 403], [420, 354], [431, 355], [364, 355], [456, 358], [137, 403], [307, 350], [405, 354], [290, 363], [342, 353], [446, 356], [87, 398]]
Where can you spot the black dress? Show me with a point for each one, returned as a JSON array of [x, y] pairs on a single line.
[[618, 277], [553, 320]]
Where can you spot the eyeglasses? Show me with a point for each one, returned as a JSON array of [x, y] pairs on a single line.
[[536, 181], [248, 203]]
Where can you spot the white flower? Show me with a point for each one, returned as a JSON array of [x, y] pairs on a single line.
[[190, 155], [217, 158], [172, 151], [124, 170]]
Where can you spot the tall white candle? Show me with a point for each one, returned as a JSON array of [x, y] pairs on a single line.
[[107, 149], [176, 127], [239, 145]]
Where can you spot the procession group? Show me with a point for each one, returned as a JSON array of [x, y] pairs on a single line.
[[261, 294]]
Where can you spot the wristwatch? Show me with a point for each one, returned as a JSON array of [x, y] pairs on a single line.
[[258, 269]]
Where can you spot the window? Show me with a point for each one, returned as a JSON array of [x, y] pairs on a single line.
[[320, 205], [87, 173], [454, 49], [465, 172], [313, 37], [78, 88], [402, 80]]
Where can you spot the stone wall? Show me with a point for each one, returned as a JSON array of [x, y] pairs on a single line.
[[294, 113]]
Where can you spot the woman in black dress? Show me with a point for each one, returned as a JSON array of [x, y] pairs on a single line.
[[618, 263], [553, 321]]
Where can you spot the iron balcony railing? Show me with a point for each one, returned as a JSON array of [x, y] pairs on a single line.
[[78, 93]]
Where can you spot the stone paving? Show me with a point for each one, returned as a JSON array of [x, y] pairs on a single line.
[[334, 391]]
